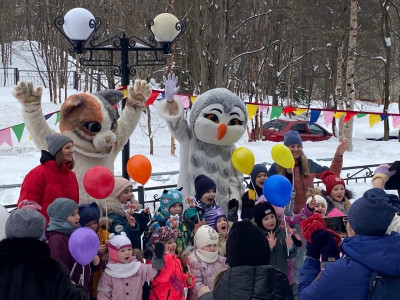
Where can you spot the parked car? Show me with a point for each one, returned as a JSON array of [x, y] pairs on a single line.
[[274, 130]]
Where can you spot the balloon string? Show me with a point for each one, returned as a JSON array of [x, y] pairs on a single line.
[[251, 181], [106, 215], [284, 222], [81, 278], [72, 270]]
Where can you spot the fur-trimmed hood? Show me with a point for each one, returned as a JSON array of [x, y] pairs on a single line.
[[113, 206]]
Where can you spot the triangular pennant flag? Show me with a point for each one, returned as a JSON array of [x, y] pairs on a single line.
[[328, 117], [348, 116], [18, 130], [373, 119], [251, 110], [396, 121], [5, 136], [384, 117], [262, 107], [192, 98], [338, 115], [276, 112], [48, 116], [288, 110], [299, 111], [126, 93], [361, 115], [30, 138], [58, 118], [184, 100], [314, 116], [153, 96]]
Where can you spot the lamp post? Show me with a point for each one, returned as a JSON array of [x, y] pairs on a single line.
[[79, 27]]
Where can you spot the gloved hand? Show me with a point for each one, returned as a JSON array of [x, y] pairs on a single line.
[[383, 172], [317, 241], [158, 262], [170, 87], [191, 213], [329, 251], [233, 206]]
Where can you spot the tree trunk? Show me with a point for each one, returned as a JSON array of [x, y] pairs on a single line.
[[350, 89], [387, 44]]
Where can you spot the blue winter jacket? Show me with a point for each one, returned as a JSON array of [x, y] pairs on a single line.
[[348, 279]]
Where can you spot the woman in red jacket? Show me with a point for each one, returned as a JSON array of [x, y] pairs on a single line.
[[53, 178]]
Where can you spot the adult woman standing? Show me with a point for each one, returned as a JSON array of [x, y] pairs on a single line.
[[53, 178]]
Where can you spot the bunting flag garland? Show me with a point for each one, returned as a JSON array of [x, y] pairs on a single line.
[[328, 117], [192, 98], [152, 98], [373, 119], [251, 111], [18, 130], [5, 136], [338, 115], [349, 116], [299, 111], [276, 112], [396, 121], [314, 116], [361, 115], [57, 118], [384, 117], [288, 110]]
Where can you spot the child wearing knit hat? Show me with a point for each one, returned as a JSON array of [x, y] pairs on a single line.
[[169, 214], [64, 220], [171, 280], [216, 218], [204, 261], [124, 275], [204, 199], [281, 245], [258, 176], [90, 217], [123, 210], [336, 193]]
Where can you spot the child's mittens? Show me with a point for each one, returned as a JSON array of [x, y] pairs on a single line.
[[383, 172], [329, 250], [233, 206], [158, 262], [323, 244], [191, 213]]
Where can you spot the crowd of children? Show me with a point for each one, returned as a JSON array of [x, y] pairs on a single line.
[[179, 253]]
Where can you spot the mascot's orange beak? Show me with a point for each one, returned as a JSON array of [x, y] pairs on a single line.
[[222, 128]]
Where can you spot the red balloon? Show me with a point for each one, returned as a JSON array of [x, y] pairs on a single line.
[[139, 168], [99, 182]]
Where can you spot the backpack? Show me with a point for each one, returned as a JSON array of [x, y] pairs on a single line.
[[382, 287]]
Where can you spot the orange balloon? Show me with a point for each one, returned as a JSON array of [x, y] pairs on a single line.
[[139, 168]]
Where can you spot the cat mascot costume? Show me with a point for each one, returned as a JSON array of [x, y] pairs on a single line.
[[218, 119], [90, 120]]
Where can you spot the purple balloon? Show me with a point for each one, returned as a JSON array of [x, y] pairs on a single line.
[[83, 245]]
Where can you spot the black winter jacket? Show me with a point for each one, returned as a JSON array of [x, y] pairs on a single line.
[[28, 272], [251, 283]]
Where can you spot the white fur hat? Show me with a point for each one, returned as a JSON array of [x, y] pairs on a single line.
[[116, 243], [205, 236], [319, 199]]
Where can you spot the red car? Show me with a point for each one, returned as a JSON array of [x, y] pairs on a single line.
[[274, 130]]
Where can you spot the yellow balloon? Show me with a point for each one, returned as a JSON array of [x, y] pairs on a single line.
[[282, 156], [243, 160]]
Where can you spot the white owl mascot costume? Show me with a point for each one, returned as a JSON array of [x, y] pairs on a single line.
[[218, 119], [90, 120]]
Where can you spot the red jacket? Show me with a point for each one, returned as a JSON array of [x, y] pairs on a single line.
[[162, 286], [47, 182]]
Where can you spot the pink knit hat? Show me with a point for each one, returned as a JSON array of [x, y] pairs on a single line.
[[116, 243], [120, 185]]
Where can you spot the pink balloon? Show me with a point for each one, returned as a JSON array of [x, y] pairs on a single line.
[[83, 245], [99, 182]]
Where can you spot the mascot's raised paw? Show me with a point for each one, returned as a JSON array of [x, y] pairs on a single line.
[[27, 94], [138, 94]]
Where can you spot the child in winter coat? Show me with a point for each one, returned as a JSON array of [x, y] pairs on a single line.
[[336, 194], [64, 220], [204, 261], [90, 217], [204, 199], [216, 218], [258, 176], [169, 214], [124, 275], [171, 280], [122, 208], [281, 245]]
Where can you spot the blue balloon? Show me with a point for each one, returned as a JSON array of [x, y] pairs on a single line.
[[277, 190]]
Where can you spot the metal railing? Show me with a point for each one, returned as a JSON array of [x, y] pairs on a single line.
[[359, 173]]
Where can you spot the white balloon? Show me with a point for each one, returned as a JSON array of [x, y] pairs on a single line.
[[3, 218]]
